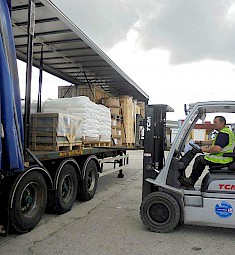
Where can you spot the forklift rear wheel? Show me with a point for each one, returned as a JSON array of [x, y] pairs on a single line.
[[160, 212], [29, 202]]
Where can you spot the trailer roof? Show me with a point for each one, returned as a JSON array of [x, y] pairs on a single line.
[[67, 52]]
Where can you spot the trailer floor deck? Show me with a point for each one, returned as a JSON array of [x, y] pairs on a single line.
[[48, 155]]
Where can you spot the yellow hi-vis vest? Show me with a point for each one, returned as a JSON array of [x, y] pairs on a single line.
[[218, 157]]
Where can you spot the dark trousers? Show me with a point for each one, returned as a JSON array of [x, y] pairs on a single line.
[[199, 165]]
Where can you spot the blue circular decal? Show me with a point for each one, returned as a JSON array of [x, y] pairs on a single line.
[[225, 210]]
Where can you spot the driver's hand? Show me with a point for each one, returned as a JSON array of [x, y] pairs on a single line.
[[204, 148]]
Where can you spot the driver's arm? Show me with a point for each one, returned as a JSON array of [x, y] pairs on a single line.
[[222, 140], [213, 149], [206, 142]]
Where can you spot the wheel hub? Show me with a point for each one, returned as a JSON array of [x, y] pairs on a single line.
[[67, 188], [28, 199], [90, 180], [159, 212]]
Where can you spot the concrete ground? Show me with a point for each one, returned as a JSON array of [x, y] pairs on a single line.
[[110, 224]]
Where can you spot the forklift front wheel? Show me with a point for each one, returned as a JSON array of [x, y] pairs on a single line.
[[160, 212]]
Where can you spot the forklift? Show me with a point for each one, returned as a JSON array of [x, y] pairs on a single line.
[[165, 203]]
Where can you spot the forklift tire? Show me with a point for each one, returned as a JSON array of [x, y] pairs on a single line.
[[88, 185], [160, 212], [65, 194], [29, 202]]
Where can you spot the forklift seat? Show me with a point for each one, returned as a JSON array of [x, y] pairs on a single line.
[[225, 168]]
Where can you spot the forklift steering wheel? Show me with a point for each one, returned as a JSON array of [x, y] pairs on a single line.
[[195, 148]]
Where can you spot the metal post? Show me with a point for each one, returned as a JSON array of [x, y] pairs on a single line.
[[39, 103], [31, 27], [89, 85]]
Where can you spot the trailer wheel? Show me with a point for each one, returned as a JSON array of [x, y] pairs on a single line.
[[29, 202], [89, 183], [66, 190], [160, 212]]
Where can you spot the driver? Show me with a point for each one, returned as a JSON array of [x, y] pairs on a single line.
[[223, 143]]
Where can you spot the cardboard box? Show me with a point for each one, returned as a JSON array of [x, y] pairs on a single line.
[[112, 102], [115, 110], [94, 93]]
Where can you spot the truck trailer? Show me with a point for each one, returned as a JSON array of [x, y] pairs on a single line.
[[31, 181]]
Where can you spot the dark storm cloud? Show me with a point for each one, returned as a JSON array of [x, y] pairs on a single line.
[[191, 30]]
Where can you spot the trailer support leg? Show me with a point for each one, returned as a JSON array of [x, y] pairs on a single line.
[[120, 173]]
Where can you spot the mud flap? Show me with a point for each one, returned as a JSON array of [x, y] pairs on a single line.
[[4, 213], [6, 185]]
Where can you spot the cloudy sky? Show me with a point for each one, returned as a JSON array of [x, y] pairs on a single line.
[[177, 51]]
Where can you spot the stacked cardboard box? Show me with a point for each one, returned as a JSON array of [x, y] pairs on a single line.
[[142, 108], [117, 131], [94, 93], [136, 112], [116, 118], [128, 112], [123, 111]]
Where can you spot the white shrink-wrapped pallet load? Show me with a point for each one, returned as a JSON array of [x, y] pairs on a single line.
[[105, 124], [83, 107]]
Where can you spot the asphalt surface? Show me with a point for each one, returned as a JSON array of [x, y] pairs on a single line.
[[110, 224]]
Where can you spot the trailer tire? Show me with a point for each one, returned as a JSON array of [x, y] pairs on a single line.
[[66, 190], [29, 202], [88, 185], [160, 212]]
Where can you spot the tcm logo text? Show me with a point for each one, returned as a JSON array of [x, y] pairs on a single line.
[[148, 124], [227, 186]]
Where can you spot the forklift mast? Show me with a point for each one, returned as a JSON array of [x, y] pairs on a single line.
[[154, 143]]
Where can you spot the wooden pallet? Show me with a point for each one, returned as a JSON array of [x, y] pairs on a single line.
[[59, 146], [90, 144], [105, 144], [128, 144], [116, 117], [99, 144]]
